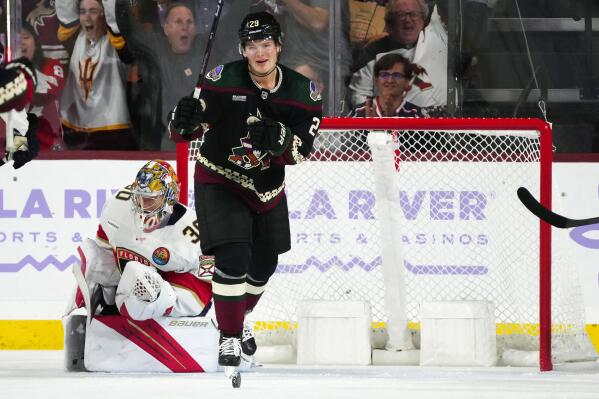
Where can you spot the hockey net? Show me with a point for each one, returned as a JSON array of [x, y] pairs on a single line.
[[398, 212]]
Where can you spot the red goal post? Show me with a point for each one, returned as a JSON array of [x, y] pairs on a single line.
[[422, 143], [487, 124]]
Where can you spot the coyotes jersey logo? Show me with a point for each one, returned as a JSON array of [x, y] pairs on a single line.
[[43, 9], [246, 157]]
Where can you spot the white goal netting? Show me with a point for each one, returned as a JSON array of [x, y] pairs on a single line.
[[451, 221]]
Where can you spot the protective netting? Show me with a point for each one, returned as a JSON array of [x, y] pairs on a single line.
[[463, 234]]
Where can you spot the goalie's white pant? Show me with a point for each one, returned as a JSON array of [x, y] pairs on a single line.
[[143, 294]]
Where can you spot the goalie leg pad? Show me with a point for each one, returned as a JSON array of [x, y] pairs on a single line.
[[142, 293]]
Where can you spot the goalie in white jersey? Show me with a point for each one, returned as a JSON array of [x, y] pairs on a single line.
[[146, 260]]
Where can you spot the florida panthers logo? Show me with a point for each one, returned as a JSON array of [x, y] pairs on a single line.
[[124, 255]]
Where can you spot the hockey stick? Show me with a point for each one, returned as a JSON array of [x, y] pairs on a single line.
[[9, 47], [548, 216], [202, 77], [182, 148]]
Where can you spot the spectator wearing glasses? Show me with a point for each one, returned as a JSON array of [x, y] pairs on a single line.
[[393, 77], [421, 38]]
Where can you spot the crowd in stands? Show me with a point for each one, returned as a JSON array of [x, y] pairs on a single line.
[[110, 71]]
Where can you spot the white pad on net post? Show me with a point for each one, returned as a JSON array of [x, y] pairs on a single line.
[[142, 293]]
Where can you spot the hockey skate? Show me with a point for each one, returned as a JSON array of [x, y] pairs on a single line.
[[248, 342], [229, 357]]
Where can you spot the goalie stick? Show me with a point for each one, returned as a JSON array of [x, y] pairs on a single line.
[[183, 154], [13, 26], [548, 216]]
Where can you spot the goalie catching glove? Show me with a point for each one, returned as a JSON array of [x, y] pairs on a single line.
[[187, 116], [268, 135], [25, 147]]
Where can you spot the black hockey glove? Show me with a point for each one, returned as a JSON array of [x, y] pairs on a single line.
[[187, 115], [26, 147], [268, 135]]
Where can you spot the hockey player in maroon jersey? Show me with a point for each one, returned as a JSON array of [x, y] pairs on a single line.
[[261, 116]]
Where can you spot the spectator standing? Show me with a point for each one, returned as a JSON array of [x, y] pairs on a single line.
[[177, 52], [367, 21], [93, 105], [421, 43], [307, 43], [50, 82], [231, 15], [41, 15]]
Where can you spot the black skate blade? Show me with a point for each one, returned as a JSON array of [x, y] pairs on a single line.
[[233, 374]]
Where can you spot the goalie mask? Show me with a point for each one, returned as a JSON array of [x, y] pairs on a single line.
[[155, 191]]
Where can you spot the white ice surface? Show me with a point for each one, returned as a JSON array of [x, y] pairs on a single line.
[[40, 374]]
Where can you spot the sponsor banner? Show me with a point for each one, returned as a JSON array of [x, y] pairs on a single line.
[[576, 195], [48, 207]]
